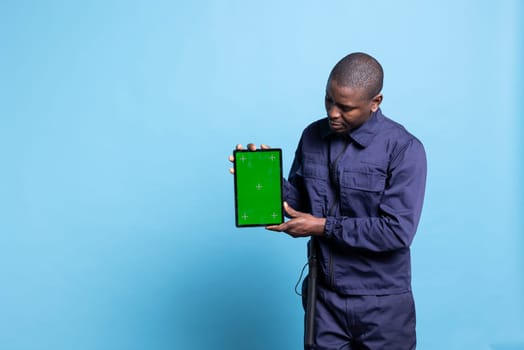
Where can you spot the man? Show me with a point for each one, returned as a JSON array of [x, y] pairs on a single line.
[[357, 185]]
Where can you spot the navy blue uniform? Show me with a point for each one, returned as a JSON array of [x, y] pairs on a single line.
[[369, 185]]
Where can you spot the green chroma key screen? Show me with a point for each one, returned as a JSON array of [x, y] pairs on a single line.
[[258, 187]]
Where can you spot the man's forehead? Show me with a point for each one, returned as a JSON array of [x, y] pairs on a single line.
[[348, 93]]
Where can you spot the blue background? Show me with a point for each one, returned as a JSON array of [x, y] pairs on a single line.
[[116, 205]]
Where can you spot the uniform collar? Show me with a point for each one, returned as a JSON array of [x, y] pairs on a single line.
[[364, 134]]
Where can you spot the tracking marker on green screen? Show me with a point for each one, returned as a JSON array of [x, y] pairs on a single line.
[[258, 187]]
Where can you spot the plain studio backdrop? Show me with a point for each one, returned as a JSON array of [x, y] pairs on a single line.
[[116, 205]]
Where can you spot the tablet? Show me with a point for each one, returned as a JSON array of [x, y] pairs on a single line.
[[258, 187]]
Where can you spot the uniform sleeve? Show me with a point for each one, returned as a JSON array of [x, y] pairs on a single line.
[[294, 190], [399, 209]]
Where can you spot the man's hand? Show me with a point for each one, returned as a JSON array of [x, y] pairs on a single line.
[[251, 147], [300, 224]]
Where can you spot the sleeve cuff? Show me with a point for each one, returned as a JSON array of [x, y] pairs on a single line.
[[332, 226]]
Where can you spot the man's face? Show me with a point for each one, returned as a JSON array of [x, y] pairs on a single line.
[[348, 108]]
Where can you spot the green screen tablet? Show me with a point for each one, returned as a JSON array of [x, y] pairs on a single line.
[[258, 187]]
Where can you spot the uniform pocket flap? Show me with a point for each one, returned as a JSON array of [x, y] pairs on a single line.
[[315, 171], [371, 182]]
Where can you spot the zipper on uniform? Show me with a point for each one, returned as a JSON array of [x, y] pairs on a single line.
[[333, 177]]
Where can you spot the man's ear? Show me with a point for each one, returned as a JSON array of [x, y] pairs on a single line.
[[375, 102]]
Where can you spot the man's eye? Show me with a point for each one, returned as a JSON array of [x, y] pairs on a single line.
[[329, 100]]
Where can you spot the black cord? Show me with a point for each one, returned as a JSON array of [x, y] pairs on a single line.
[[300, 279]]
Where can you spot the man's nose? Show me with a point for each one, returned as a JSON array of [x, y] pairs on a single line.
[[333, 111]]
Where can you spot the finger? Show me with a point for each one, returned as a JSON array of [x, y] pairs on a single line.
[[251, 147], [239, 147], [231, 170], [264, 146], [231, 158]]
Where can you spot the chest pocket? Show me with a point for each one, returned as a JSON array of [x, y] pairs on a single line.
[[315, 171], [316, 176], [314, 167], [369, 182], [361, 192]]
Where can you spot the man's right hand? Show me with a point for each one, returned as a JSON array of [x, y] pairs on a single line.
[[250, 147]]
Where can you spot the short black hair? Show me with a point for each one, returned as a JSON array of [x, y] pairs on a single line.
[[359, 70]]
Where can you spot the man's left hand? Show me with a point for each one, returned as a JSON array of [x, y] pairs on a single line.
[[300, 224]]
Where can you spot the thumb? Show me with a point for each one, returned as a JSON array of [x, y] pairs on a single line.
[[292, 212]]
